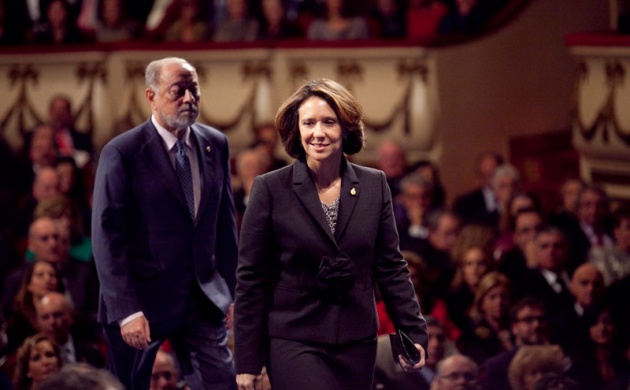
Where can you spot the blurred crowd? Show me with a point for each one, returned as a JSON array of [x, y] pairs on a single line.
[[514, 294], [88, 21]]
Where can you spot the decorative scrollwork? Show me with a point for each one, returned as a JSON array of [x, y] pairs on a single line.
[[348, 72], [256, 69], [407, 68], [606, 120], [21, 76]]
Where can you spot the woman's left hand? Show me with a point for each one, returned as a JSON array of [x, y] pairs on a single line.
[[408, 367]]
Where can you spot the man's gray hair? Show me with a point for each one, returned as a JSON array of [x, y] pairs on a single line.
[[154, 69]]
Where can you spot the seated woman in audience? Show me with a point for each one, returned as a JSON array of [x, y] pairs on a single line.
[[37, 359], [387, 19], [489, 333], [39, 279], [337, 22], [603, 365], [531, 362], [473, 262]]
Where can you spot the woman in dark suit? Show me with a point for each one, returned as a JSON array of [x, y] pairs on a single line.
[[317, 236]]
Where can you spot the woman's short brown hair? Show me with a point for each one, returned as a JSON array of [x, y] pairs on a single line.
[[346, 107]]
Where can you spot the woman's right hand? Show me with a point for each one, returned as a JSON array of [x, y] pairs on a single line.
[[248, 381]]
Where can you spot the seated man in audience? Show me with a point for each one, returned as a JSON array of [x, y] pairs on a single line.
[[479, 205], [528, 322], [411, 209], [69, 141], [55, 318], [549, 280], [614, 261], [50, 242], [456, 372], [436, 252], [590, 228], [165, 374], [392, 160], [569, 326], [515, 261]]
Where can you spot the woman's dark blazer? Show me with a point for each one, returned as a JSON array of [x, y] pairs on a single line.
[[283, 239]]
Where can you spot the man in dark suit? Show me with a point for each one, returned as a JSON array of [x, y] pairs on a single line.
[[549, 280], [164, 237], [479, 205]]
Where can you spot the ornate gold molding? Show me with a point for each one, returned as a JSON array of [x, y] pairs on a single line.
[[606, 120], [21, 75]]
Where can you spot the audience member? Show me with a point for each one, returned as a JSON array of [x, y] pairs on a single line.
[[392, 159], [39, 279], [266, 141], [389, 374], [69, 140], [424, 18], [489, 333], [190, 25], [411, 208], [37, 359], [531, 362], [514, 262], [549, 279], [435, 251], [456, 372], [506, 181], [387, 19], [81, 376], [55, 318], [59, 27], [430, 172], [569, 191], [517, 202], [480, 205], [528, 324], [603, 364], [589, 230], [473, 263], [165, 374], [338, 21], [614, 261], [466, 16], [568, 324], [113, 23], [275, 24], [43, 242], [249, 164], [239, 25]]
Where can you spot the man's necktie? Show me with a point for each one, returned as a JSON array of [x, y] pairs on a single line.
[[182, 169]]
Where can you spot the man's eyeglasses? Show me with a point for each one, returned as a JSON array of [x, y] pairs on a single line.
[[453, 376], [531, 319]]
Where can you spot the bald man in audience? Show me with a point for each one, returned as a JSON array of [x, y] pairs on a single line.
[[568, 326], [456, 372], [49, 241], [164, 375], [55, 317]]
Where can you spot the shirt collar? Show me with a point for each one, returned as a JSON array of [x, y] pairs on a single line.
[[168, 137]]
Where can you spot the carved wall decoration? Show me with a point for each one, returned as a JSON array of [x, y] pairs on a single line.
[[90, 73], [21, 75]]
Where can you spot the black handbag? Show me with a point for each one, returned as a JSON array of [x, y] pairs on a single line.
[[404, 346]]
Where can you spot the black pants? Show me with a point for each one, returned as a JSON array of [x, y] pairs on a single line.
[[296, 365]]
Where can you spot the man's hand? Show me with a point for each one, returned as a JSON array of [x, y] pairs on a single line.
[[408, 367], [248, 381], [136, 333]]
